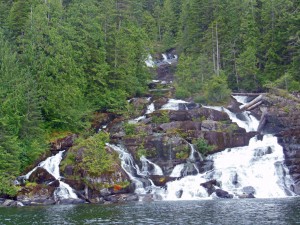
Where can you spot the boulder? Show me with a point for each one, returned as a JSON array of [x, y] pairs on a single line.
[[179, 193], [12, 203], [223, 194], [121, 198], [63, 143], [248, 190], [290, 141], [179, 115], [210, 186], [246, 196], [102, 118], [36, 195], [41, 176], [208, 114], [222, 140]]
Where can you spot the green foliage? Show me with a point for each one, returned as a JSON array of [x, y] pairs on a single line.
[[129, 129], [141, 152], [216, 90], [285, 82], [163, 117], [182, 155], [95, 159], [202, 146]]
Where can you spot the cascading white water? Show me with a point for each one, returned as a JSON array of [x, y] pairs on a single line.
[[149, 61], [187, 188], [258, 165], [245, 119], [51, 164], [150, 109], [173, 104], [145, 169], [176, 172], [241, 99], [130, 167]]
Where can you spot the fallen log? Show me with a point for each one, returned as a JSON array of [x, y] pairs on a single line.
[[253, 104]]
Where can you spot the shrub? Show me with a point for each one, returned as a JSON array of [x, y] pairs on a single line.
[[129, 128], [162, 118], [203, 147]]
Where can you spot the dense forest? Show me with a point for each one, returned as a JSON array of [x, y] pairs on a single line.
[[62, 60]]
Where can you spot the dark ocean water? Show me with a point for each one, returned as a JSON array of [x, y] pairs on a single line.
[[233, 211]]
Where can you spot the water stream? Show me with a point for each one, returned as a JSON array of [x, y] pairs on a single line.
[[257, 168], [51, 164]]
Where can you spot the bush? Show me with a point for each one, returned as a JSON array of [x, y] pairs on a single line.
[[129, 128], [95, 159], [203, 147], [162, 118]]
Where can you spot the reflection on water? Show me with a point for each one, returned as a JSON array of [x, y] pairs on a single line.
[[234, 211]]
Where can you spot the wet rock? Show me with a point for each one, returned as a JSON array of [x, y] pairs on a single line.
[[235, 179], [246, 196], [41, 176], [8, 202], [179, 193], [223, 194], [179, 115], [147, 198], [222, 140], [105, 192], [38, 194], [210, 186], [182, 126], [189, 169], [101, 119], [248, 190], [262, 151], [208, 114], [205, 165], [161, 180], [12, 203], [69, 170], [188, 106], [290, 141], [63, 143], [119, 198]]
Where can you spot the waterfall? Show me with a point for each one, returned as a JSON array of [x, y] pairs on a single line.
[[173, 104], [241, 99], [156, 169], [149, 61], [258, 165], [177, 170], [51, 164], [131, 168], [257, 168], [244, 120], [150, 109]]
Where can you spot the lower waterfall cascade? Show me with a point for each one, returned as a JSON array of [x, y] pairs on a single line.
[[257, 168]]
